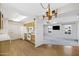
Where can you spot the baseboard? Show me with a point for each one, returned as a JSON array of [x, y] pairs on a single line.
[[38, 45]]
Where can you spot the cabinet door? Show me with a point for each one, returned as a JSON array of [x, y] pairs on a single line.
[[1, 21]]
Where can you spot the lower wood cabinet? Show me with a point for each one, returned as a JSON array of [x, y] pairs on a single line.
[[29, 37]]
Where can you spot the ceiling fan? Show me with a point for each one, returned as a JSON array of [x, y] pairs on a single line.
[[49, 12]]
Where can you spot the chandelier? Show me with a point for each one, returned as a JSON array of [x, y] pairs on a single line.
[[49, 13]]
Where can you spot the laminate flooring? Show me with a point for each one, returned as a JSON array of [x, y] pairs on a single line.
[[24, 48]]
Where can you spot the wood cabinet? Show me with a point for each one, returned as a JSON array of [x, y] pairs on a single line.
[[30, 35], [1, 21], [33, 39], [30, 38]]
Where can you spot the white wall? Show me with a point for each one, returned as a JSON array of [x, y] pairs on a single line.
[[74, 30], [60, 34], [54, 33], [4, 31], [11, 30], [4, 28], [68, 8], [14, 30], [38, 32], [78, 32], [61, 20], [64, 20], [0, 7]]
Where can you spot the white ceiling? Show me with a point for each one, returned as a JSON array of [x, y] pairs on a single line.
[[29, 10]]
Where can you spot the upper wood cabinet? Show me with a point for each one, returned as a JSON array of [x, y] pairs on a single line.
[[30, 27], [30, 24]]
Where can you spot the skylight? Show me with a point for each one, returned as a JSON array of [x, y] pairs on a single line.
[[17, 17]]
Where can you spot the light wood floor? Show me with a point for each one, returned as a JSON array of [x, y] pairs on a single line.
[[24, 48]]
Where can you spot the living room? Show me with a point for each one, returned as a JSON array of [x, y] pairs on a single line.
[[30, 25]]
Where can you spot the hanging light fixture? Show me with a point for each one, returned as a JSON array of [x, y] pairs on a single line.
[[49, 12]]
